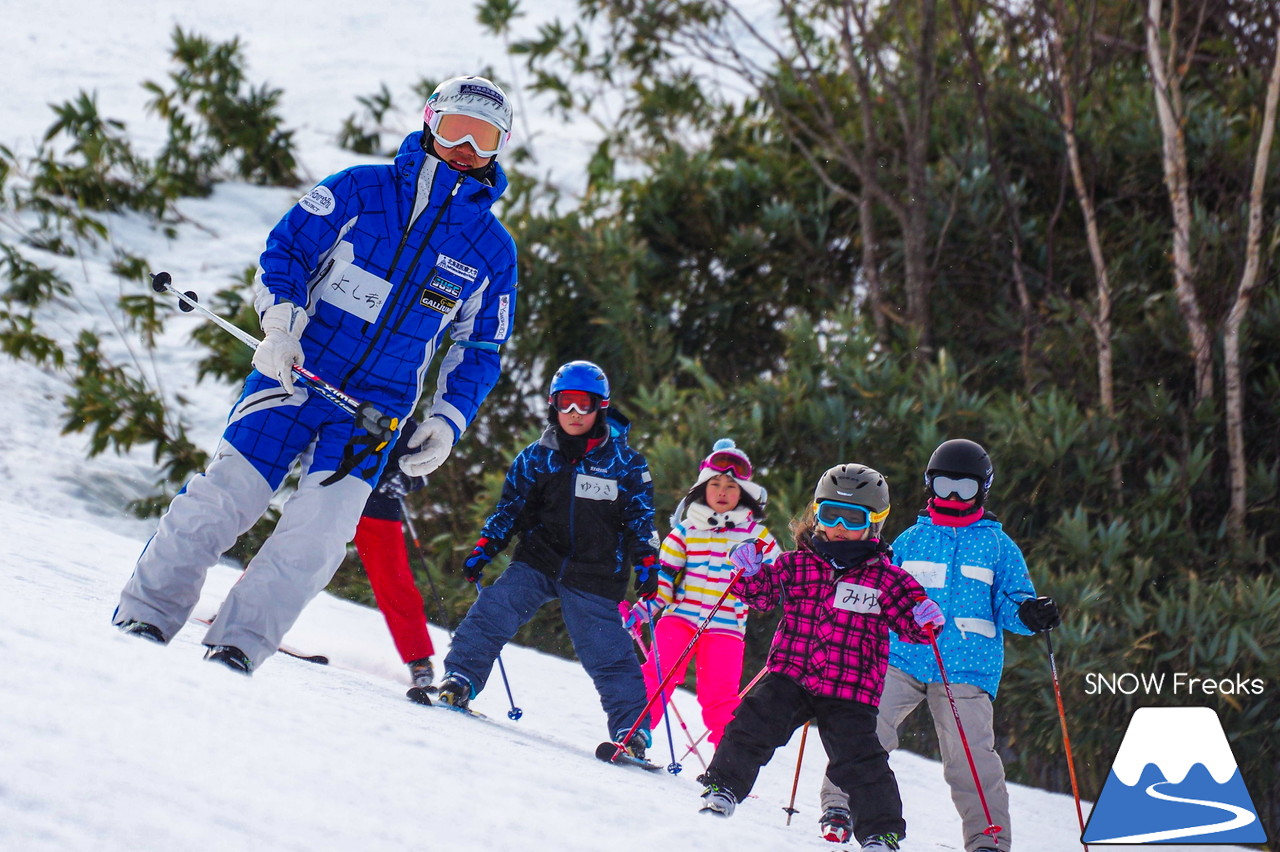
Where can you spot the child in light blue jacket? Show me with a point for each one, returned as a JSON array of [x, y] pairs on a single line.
[[959, 553]]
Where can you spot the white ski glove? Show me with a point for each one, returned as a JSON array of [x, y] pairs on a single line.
[[433, 442], [280, 350]]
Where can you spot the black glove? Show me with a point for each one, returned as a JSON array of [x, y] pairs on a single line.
[[1039, 614], [396, 483], [647, 578], [473, 565]]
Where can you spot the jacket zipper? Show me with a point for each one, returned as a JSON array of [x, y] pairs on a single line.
[[405, 278]]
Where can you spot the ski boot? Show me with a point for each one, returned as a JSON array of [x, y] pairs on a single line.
[[231, 657], [718, 801], [146, 631], [882, 842], [836, 825], [422, 672], [455, 690], [639, 742]]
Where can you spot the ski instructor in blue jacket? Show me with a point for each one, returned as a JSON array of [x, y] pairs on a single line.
[[359, 282]]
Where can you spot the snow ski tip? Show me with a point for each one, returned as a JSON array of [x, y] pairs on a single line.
[[609, 753], [418, 695], [317, 659]]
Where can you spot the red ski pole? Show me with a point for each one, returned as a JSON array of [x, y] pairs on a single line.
[[1066, 740], [609, 751], [992, 830]]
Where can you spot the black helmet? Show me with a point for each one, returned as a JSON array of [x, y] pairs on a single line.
[[961, 457]]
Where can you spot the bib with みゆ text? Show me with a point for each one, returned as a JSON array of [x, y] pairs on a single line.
[[855, 597]]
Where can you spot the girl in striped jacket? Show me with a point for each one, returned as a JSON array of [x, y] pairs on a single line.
[[724, 507]]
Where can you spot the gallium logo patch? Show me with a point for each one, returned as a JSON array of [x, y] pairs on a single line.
[[433, 300], [318, 201]]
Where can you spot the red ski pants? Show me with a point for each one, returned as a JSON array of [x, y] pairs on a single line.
[[386, 560]]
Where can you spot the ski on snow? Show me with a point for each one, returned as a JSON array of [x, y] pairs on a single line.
[[615, 753], [605, 751], [419, 695], [317, 659]]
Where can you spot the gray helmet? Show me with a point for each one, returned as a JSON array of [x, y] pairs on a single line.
[[859, 484]]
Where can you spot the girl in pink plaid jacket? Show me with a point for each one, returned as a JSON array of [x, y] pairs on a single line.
[[840, 596]]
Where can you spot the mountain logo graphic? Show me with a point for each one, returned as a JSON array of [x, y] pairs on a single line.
[[1174, 780]]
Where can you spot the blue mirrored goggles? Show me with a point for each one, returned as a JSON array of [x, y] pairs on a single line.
[[954, 487], [848, 515]]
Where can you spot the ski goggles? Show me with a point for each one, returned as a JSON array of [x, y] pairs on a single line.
[[954, 487], [451, 129], [730, 463], [579, 401], [852, 517]]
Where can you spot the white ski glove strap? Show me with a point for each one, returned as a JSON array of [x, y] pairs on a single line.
[[280, 350], [432, 441]]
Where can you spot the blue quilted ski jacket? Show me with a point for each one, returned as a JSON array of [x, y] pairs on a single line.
[[385, 259]]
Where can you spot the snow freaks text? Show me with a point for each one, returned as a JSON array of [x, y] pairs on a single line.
[[1176, 683]]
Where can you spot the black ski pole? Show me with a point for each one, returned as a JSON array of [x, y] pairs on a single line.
[[370, 418], [445, 621], [515, 712]]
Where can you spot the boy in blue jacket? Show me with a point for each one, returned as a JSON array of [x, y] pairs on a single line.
[[360, 281], [581, 501], [958, 552]]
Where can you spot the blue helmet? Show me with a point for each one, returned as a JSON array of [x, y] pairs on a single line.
[[581, 376]]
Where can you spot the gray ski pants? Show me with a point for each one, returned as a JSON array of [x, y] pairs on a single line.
[[204, 521], [902, 694]]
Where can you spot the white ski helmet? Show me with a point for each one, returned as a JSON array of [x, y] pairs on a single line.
[[477, 97]]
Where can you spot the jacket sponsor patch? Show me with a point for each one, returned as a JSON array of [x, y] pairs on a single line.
[[595, 488], [318, 201], [445, 286], [855, 597], [504, 316], [440, 295], [457, 267], [433, 300]]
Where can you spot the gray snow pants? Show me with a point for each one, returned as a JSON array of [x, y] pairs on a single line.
[[902, 694], [204, 521]]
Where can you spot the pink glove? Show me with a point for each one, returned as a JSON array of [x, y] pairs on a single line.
[[632, 616], [746, 556], [928, 613]]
